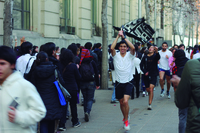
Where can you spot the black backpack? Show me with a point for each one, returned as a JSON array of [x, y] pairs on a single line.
[[111, 64], [87, 71]]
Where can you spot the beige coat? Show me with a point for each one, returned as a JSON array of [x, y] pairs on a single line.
[[30, 109]]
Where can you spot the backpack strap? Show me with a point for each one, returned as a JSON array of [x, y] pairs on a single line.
[[27, 64]]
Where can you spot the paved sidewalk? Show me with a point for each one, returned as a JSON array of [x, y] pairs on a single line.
[[107, 118]]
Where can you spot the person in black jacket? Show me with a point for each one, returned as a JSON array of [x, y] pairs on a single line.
[[71, 76], [43, 77], [150, 69]]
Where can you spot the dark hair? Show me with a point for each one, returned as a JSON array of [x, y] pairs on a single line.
[[137, 43], [164, 43], [123, 41], [142, 50], [199, 47], [34, 47], [62, 50], [66, 57], [98, 45], [41, 48], [18, 50], [136, 47], [41, 57], [57, 48], [8, 54], [88, 45], [78, 45], [26, 47], [175, 45], [150, 46], [179, 53], [195, 49], [73, 48], [49, 48], [181, 45]]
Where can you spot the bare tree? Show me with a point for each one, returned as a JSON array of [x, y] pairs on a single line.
[[7, 23], [104, 20]]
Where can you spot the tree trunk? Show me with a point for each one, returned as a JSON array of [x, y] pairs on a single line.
[[104, 20], [197, 32], [189, 35], [7, 23]]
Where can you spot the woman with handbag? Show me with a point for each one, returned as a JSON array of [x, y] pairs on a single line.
[[70, 76], [43, 77]]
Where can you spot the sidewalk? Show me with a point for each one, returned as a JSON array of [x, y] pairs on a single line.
[[107, 118]]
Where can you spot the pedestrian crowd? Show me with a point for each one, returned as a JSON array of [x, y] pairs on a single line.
[[34, 80]]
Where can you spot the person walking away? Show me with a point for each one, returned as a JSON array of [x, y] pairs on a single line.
[[150, 69], [89, 79], [22, 106], [25, 61], [71, 76], [124, 74], [197, 55], [164, 69], [43, 77]]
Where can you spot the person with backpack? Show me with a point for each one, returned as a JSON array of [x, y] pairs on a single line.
[[25, 61], [98, 52], [43, 77], [89, 78]]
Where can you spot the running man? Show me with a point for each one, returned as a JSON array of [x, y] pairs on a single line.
[[123, 69], [150, 69], [164, 69]]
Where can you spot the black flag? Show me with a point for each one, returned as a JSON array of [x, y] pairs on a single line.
[[137, 29]]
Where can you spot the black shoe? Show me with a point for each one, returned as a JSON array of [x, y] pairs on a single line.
[[86, 117], [62, 128], [94, 100], [78, 124], [115, 101]]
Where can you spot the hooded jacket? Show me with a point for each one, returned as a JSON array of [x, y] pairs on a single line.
[[187, 92], [43, 78], [30, 109]]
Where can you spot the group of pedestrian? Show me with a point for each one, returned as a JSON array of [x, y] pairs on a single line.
[[37, 101]]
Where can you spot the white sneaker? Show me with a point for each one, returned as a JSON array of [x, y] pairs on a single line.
[[149, 107], [168, 96], [126, 125], [143, 94], [162, 93]]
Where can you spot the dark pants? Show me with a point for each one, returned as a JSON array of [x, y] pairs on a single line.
[[47, 126], [73, 107], [87, 89], [137, 83], [182, 113]]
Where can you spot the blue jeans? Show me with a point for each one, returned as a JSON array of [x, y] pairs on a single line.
[[182, 113], [87, 89], [113, 98], [47, 126]]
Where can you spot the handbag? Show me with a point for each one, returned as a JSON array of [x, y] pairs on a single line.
[[60, 94], [27, 76], [65, 93]]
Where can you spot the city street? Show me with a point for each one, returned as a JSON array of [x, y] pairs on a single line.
[[107, 118]]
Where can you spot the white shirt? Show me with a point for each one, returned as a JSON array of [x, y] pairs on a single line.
[[22, 63], [163, 60], [196, 56], [123, 67], [136, 63]]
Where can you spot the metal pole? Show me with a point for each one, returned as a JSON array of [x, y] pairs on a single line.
[[139, 9], [155, 21]]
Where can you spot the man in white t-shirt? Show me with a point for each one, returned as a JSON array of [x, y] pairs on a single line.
[[197, 55], [164, 69], [123, 64]]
